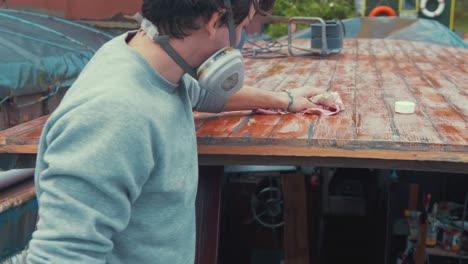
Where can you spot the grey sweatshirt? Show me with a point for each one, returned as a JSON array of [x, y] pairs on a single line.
[[117, 171]]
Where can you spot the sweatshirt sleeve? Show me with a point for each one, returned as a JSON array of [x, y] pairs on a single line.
[[96, 163], [203, 100]]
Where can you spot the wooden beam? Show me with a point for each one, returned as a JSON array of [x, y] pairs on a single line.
[[296, 232], [413, 197], [208, 213]]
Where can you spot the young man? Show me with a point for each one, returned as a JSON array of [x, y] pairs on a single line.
[[116, 174]]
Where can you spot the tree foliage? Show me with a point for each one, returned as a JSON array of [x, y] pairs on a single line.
[[333, 9]]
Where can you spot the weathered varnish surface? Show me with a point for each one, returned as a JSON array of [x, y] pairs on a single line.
[[370, 75]]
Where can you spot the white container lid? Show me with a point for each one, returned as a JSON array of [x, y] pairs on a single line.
[[404, 107]]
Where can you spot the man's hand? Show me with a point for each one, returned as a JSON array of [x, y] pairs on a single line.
[[306, 91], [301, 103], [301, 97]]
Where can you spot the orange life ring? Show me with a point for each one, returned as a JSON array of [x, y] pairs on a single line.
[[382, 10]]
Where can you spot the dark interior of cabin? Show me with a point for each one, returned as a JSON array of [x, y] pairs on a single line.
[[356, 218]]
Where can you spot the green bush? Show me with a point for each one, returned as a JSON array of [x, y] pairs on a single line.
[[461, 15], [334, 9]]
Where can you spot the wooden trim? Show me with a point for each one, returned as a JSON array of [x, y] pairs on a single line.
[[16, 195], [304, 151], [12, 132], [19, 149]]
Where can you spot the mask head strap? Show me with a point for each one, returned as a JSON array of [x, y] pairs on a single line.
[[230, 22], [150, 29], [153, 33], [164, 42]]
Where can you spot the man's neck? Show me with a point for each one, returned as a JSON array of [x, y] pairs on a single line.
[[160, 60]]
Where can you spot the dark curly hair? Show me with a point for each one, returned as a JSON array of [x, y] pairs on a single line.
[[177, 18]]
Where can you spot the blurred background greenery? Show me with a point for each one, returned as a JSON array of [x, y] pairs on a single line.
[[339, 9], [461, 16], [333, 9]]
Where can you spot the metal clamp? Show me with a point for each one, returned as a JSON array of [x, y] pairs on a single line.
[[304, 20]]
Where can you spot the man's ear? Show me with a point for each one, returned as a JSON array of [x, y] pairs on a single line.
[[213, 23]]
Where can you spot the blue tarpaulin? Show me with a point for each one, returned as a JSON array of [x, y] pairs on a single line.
[[39, 53]]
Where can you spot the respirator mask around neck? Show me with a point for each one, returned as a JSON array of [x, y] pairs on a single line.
[[222, 73]]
